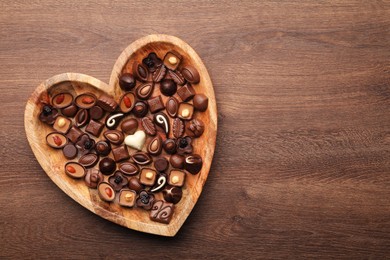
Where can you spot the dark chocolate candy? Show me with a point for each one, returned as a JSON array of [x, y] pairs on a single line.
[[81, 118], [129, 126], [70, 111], [172, 106], [152, 62], [200, 102], [195, 128], [160, 182], [159, 74], [162, 120], [127, 102], [140, 109], [145, 200], [113, 120], [140, 71], [161, 211], [107, 166], [69, 151], [85, 100], [191, 74], [155, 146], [96, 112], [155, 104], [85, 144], [128, 168], [141, 158], [135, 185], [186, 92], [127, 82], [172, 194], [168, 87], [172, 59], [161, 164], [184, 145], [74, 134], [92, 178], [148, 126], [107, 103], [114, 136], [89, 160], [177, 77], [145, 90], [177, 161], [75, 170], [62, 100], [120, 153], [56, 140], [48, 114], [103, 148], [106, 192], [169, 146], [94, 128], [118, 181], [177, 127], [193, 163]]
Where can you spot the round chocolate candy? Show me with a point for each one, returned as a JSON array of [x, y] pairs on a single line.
[[200, 102], [140, 109], [161, 164], [193, 163], [195, 128], [93, 178], [129, 126], [169, 146], [96, 112], [103, 148], [85, 100], [69, 151], [62, 100], [177, 161], [172, 194], [134, 184], [107, 166], [168, 87], [127, 82]]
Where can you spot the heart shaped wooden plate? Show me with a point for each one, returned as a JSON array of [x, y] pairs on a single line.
[[53, 161]]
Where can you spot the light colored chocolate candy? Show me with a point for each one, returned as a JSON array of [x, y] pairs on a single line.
[[62, 124], [62, 100], [185, 111], [75, 170], [148, 176], [106, 192], [136, 140], [56, 140], [176, 178], [127, 198], [127, 102]]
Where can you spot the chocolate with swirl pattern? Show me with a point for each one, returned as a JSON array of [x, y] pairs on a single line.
[[161, 211]]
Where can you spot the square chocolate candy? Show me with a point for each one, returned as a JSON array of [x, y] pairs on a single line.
[[186, 92], [127, 198], [120, 153], [155, 104], [162, 211], [62, 124], [148, 176], [172, 60], [74, 134], [94, 128], [176, 178]]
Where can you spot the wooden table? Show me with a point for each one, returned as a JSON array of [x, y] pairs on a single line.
[[302, 163]]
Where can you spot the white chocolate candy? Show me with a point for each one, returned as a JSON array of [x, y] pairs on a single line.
[[136, 140]]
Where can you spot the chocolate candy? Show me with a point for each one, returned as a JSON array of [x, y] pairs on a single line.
[[103, 148], [62, 100], [177, 77], [162, 120], [168, 87], [145, 200], [172, 106], [118, 181], [85, 144], [161, 164], [140, 109], [69, 151], [145, 90], [184, 145], [113, 120], [81, 118], [140, 71], [177, 127], [93, 178], [186, 92], [114, 136], [135, 185], [155, 146], [62, 124], [127, 198], [176, 178], [56, 140], [129, 126], [128, 168], [148, 126], [86, 100], [106, 192], [172, 194], [172, 60], [147, 176], [193, 163], [107, 166], [177, 161], [107, 103], [75, 170], [127, 82], [169, 146], [89, 160], [200, 102], [159, 74], [120, 153], [141, 158], [94, 128], [127, 102], [195, 128], [70, 111], [155, 104], [74, 133], [136, 140], [152, 62], [160, 183], [185, 111], [48, 114], [190, 74], [161, 211], [96, 112]]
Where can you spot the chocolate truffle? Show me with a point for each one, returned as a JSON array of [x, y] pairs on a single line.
[[75, 170], [177, 161], [195, 128], [129, 126], [184, 145], [140, 109], [127, 82], [168, 87], [200, 102], [193, 163], [161, 164], [162, 120], [107, 166], [103, 148], [106, 192], [169, 146], [70, 111], [172, 194], [96, 112], [135, 185]]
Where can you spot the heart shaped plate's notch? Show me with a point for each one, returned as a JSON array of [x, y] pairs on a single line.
[[53, 161]]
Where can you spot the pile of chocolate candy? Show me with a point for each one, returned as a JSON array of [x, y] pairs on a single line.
[[139, 146]]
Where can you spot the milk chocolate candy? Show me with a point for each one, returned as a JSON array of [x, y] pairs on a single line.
[[94, 128], [113, 120], [168, 87], [118, 181], [85, 144], [127, 102], [195, 128], [129, 126], [177, 77], [169, 146], [148, 176], [114, 136], [172, 106], [127, 82], [200, 102], [191, 74], [56, 140], [176, 178], [145, 90], [135, 185], [140, 109], [161, 164], [186, 92], [70, 111], [148, 126], [177, 161], [106, 192], [62, 100], [127, 198], [141, 158], [155, 146], [172, 60], [103, 148], [96, 112], [69, 151], [89, 160], [81, 118], [159, 74], [185, 111], [161, 211], [193, 163], [75, 170], [128, 168], [120, 153], [92, 178], [184, 145], [140, 71], [74, 133], [107, 103], [85, 100], [62, 124], [177, 127], [162, 121], [155, 104]]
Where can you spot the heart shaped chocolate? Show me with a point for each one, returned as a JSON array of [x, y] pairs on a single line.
[[136, 140], [98, 191]]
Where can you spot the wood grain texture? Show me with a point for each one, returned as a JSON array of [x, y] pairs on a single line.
[[302, 162], [53, 161]]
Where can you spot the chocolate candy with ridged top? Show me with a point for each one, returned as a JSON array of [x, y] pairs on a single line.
[[190, 74], [107, 103], [195, 128]]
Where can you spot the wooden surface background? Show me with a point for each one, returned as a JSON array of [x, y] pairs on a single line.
[[302, 163]]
